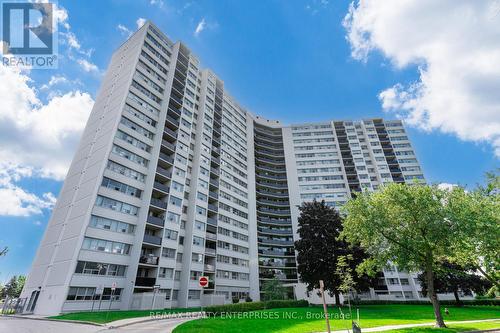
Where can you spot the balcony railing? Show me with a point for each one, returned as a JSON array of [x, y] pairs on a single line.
[[209, 268], [155, 220], [152, 239], [161, 187], [149, 260], [145, 281], [158, 203], [167, 158], [210, 251], [164, 172], [211, 221], [211, 236]]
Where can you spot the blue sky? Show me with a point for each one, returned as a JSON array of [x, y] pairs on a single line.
[[288, 60]]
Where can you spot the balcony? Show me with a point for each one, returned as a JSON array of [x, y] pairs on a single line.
[[210, 236], [212, 221], [152, 239], [277, 253], [209, 268], [145, 281], [276, 242], [263, 219], [172, 120], [161, 187], [158, 203], [166, 158], [210, 251], [275, 231], [273, 211], [168, 145], [155, 220], [212, 194], [149, 260], [163, 172], [212, 207], [214, 182], [172, 134]]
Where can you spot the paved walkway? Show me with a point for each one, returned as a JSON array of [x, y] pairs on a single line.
[[395, 327], [10, 324]]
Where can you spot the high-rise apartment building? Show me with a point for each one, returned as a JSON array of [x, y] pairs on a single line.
[[173, 180]]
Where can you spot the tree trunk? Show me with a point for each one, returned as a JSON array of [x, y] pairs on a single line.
[[337, 299], [433, 296], [457, 299]]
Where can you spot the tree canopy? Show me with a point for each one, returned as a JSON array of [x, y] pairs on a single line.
[[320, 251], [413, 226]]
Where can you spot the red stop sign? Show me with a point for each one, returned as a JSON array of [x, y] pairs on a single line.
[[203, 281]]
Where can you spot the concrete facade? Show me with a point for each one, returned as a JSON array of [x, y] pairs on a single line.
[[174, 180]]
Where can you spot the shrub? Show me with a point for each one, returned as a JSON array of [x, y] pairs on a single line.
[[216, 310], [248, 299], [236, 300], [442, 302]]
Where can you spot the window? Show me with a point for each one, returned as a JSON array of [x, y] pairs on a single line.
[[102, 245], [199, 225], [198, 241], [129, 155], [95, 268], [171, 234], [168, 253], [116, 205], [123, 170], [179, 172], [201, 196], [201, 211], [193, 294], [197, 257], [195, 275], [120, 187], [175, 201], [111, 225], [166, 273], [177, 186], [172, 217]]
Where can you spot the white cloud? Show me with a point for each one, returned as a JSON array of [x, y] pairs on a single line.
[[88, 66], [140, 22], [456, 47], [17, 201], [200, 27], [124, 30], [158, 3], [41, 136]]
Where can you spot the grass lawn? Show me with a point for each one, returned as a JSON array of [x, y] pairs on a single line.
[[452, 328], [103, 317], [301, 320]]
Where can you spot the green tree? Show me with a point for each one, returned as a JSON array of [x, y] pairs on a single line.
[[414, 226], [320, 248], [480, 235], [14, 287], [453, 278], [273, 290]]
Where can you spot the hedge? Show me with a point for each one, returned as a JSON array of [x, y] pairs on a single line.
[[490, 301], [216, 310]]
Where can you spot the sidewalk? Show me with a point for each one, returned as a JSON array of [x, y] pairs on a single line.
[[182, 316], [395, 327]]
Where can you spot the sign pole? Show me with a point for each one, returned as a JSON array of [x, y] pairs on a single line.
[[155, 290], [322, 290], [203, 282]]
